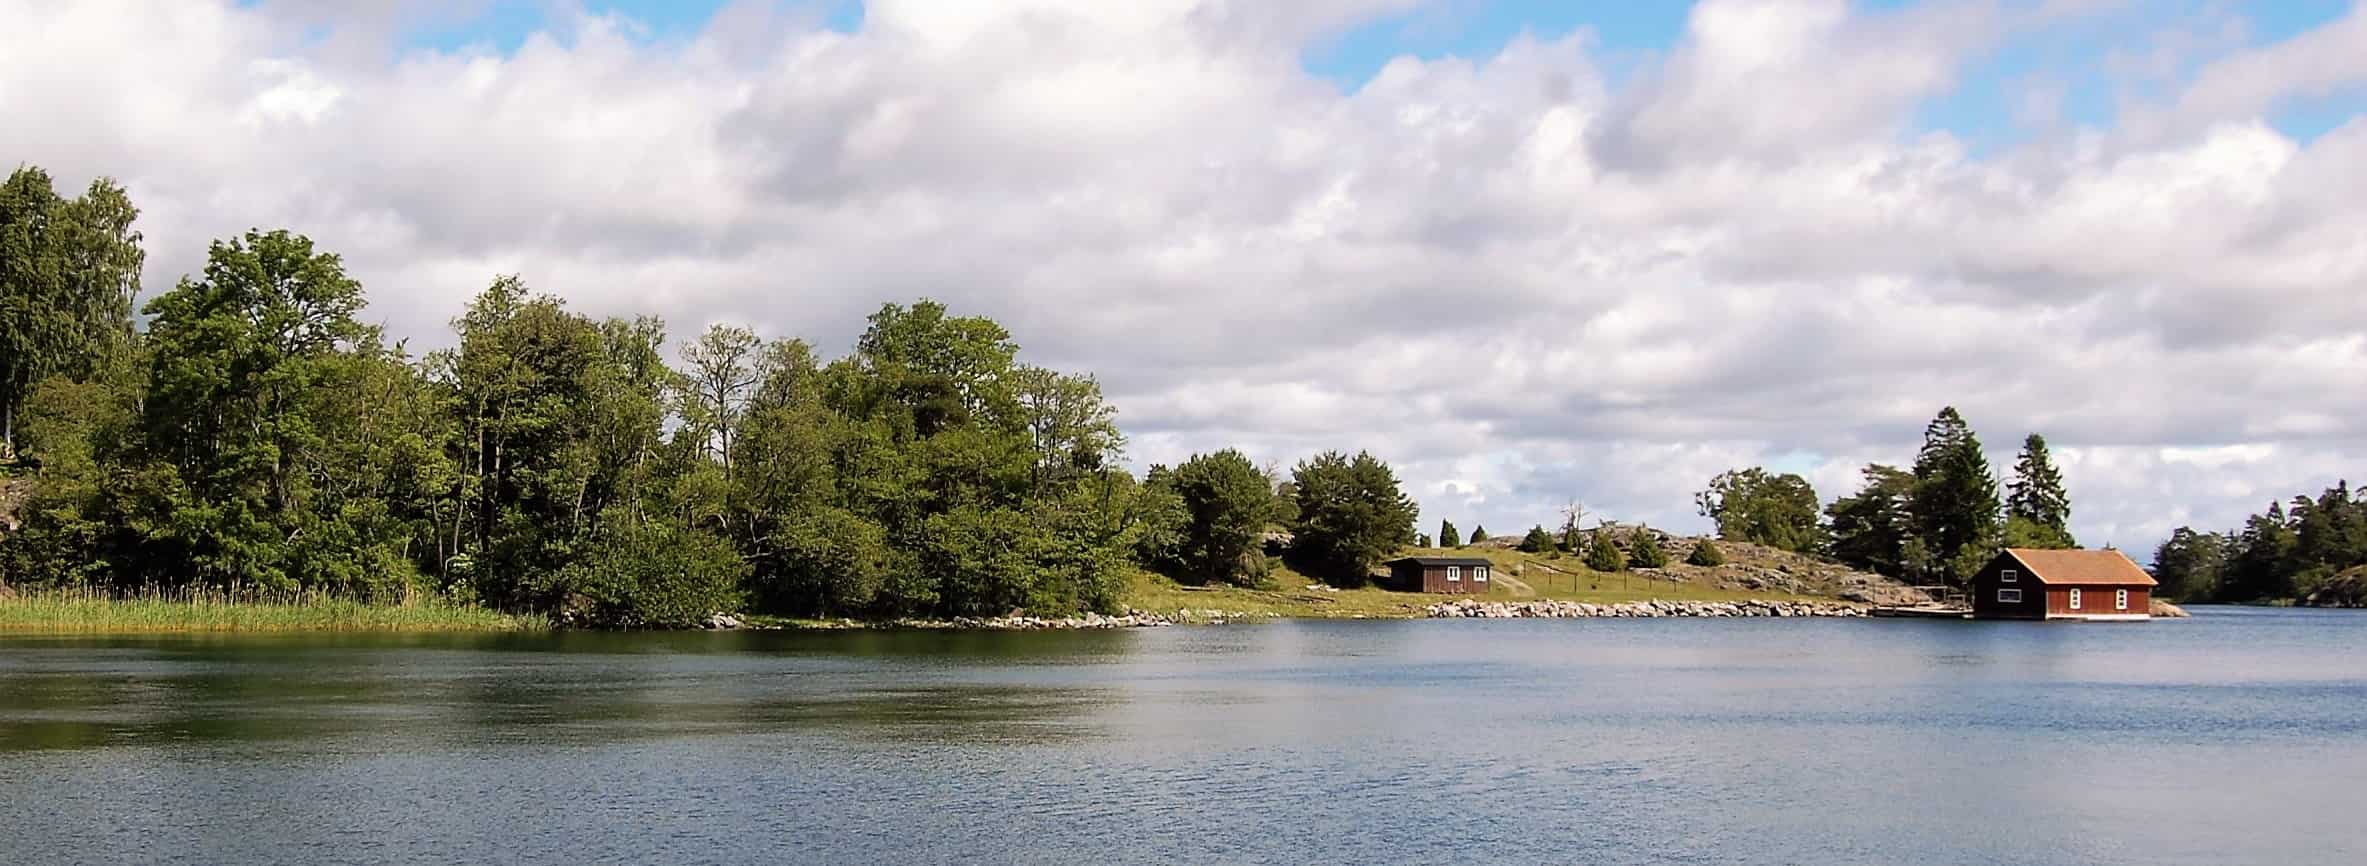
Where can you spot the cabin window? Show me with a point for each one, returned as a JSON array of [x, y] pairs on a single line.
[[2120, 599], [2009, 576], [2009, 596], [1455, 573], [2075, 599], [1480, 573]]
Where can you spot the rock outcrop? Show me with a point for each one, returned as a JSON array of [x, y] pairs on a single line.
[[2166, 610]]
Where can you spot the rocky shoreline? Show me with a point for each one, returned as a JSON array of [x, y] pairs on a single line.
[[1474, 609]]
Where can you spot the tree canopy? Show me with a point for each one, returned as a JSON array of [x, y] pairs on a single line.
[[2037, 509], [1754, 505], [1352, 516]]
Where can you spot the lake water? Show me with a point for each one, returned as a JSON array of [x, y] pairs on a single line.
[[2239, 736]]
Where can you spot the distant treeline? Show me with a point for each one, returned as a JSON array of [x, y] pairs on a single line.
[[2308, 551], [257, 434]]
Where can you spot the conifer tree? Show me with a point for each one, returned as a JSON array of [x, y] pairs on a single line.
[[1603, 554], [2038, 511], [1955, 497], [1648, 553], [1479, 534], [1706, 554], [1537, 541], [1447, 536]]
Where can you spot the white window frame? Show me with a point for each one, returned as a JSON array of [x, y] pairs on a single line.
[[2009, 576], [1479, 573], [2009, 596], [1454, 574], [2120, 599], [2075, 598]]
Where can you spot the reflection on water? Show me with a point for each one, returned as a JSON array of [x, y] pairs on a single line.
[[2240, 736]]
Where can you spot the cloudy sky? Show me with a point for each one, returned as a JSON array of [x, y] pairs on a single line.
[[1529, 251]]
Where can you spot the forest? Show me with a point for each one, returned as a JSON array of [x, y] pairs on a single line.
[[253, 432]]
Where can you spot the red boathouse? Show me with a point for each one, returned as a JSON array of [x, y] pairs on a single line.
[[1453, 574], [2062, 584]]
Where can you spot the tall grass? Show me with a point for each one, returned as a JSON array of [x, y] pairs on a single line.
[[92, 611]]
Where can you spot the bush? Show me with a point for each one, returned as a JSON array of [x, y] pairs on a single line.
[[1648, 552], [1537, 541], [1603, 554], [1706, 554], [655, 575]]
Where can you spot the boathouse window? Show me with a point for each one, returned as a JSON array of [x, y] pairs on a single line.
[[1455, 573], [2009, 576], [1480, 573], [2009, 596], [2075, 599], [2120, 599]]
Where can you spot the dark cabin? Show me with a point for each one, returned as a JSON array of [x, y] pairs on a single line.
[[2062, 584], [1460, 574]]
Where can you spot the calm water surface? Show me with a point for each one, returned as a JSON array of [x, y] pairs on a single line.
[[2237, 737]]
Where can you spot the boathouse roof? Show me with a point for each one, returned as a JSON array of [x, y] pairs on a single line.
[[2081, 567]]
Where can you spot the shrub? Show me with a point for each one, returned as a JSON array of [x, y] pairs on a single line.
[[1648, 552], [1706, 554], [1603, 554]]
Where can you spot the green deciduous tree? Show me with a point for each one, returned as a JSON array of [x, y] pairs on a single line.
[[1352, 515], [1228, 504], [1760, 507], [69, 270]]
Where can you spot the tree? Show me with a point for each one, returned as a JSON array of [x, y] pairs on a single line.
[[1754, 505], [1706, 554], [723, 369], [2038, 511], [1648, 553], [1447, 536], [1537, 541], [1479, 534], [69, 270], [2258, 565], [1352, 515], [1955, 500], [242, 358], [1603, 554], [1872, 529], [2190, 564], [1228, 504]]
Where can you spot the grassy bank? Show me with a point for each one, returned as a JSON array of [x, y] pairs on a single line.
[[84, 612], [1518, 576]]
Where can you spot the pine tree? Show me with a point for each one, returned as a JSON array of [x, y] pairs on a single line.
[[1603, 554], [2038, 511], [1537, 541], [1479, 534], [1447, 536], [1955, 500], [1648, 552], [1706, 554]]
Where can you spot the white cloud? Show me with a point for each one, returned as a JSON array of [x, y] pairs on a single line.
[[1522, 279]]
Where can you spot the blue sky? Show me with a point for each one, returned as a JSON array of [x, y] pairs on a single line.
[[2072, 58]]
